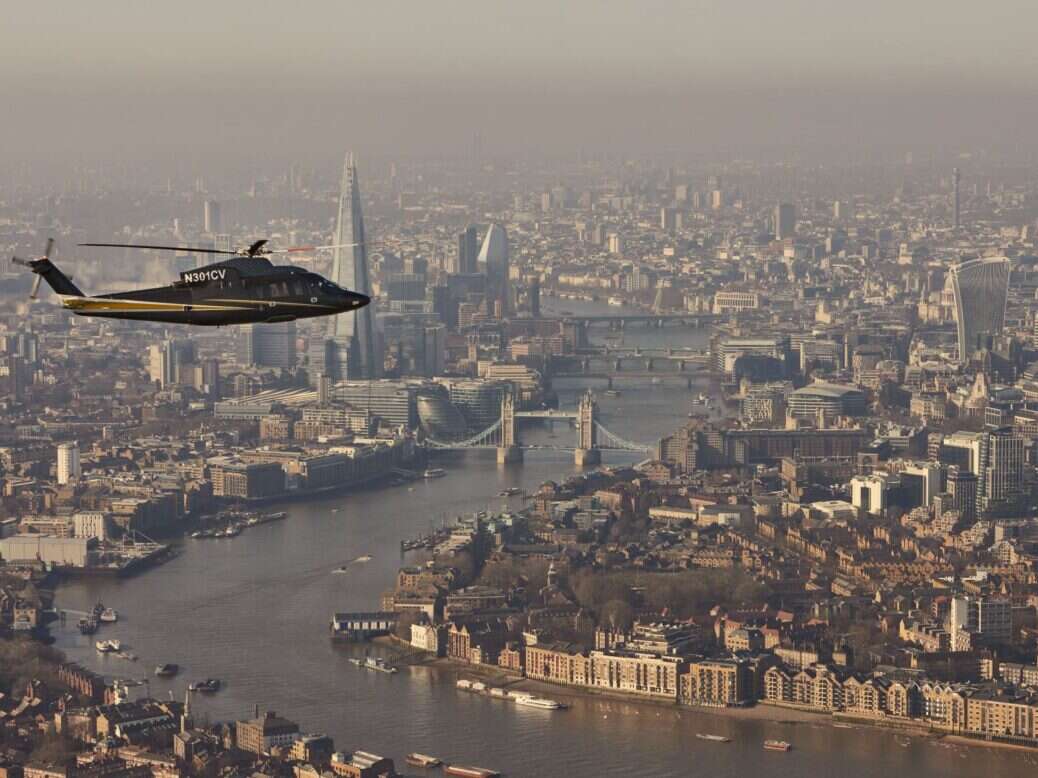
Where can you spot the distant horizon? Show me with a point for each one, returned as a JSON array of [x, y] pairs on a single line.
[[120, 80]]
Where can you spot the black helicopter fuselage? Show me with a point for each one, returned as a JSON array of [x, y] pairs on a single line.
[[240, 290]]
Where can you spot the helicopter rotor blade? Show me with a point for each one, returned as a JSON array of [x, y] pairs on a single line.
[[189, 249], [296, 249], [50, 245], [35, 286]]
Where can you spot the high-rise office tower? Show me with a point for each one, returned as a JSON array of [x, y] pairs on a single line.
[[18, 376], [963, 487], [981, 287], [785, 220], [68, 463], [493, 261], [1003, 478], [165, 360], [348, 350], [468, 251], [955, 196], [270, 345], [213, 223], [615, 243]]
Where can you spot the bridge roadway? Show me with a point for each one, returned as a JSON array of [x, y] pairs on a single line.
[[547, 414], [688, 379], [659, 352], [650, 319]]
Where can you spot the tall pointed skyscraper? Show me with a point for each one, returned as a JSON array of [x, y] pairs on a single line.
[[348, 350], [493, 260]]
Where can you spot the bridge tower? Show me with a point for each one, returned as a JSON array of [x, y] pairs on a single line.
[[587, 452], [509, 450]]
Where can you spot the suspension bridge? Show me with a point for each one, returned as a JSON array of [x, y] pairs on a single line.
[[592, 436]]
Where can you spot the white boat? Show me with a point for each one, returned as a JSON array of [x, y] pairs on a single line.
[[109, 616], [478, 686], [364, 558], [536, 702], [434, 472], [498, 692], [615, 301], [463, 683], [714, 738], [108, 646], [378, 664]]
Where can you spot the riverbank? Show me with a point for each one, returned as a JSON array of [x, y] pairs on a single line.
[[762, 711]]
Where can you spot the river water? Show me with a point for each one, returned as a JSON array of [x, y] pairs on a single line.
[[254, 611]]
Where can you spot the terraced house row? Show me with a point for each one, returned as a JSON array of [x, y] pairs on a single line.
[[990, 710]]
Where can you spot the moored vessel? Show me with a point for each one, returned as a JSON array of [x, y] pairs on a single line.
[[434, 472], [470, 772], [713, 738], [777, 745], [422, 760], [109, 616], [167, 670]]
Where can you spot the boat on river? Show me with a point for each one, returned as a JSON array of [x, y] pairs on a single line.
[[777, 745], [422, 760], [529, 701], [713, 738], [470, 772], [378, 664]]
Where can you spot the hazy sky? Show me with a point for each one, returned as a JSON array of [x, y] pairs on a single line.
[[108, 77]]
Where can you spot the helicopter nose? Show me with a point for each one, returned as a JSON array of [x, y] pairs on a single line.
[[355, 300]]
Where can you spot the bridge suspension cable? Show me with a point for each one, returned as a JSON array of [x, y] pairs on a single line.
[[610, 440], [488, 438]]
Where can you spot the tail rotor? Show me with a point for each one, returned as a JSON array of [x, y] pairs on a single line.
[[32, 265]]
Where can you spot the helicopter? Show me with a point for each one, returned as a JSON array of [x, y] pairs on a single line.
[[244, 289]]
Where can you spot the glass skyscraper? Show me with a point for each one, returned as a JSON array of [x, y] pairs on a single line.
[[493, 260], [348, 350], [981, 287]]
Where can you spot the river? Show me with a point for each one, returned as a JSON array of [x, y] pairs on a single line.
[[254, 611]]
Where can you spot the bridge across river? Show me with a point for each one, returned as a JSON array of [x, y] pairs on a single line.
[[591, 438]]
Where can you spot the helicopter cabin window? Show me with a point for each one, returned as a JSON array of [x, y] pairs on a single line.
[[299, 288]]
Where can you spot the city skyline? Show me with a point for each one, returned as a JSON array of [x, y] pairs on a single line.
[[593, 389]]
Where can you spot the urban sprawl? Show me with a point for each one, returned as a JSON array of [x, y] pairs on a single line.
[[842, 519]]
